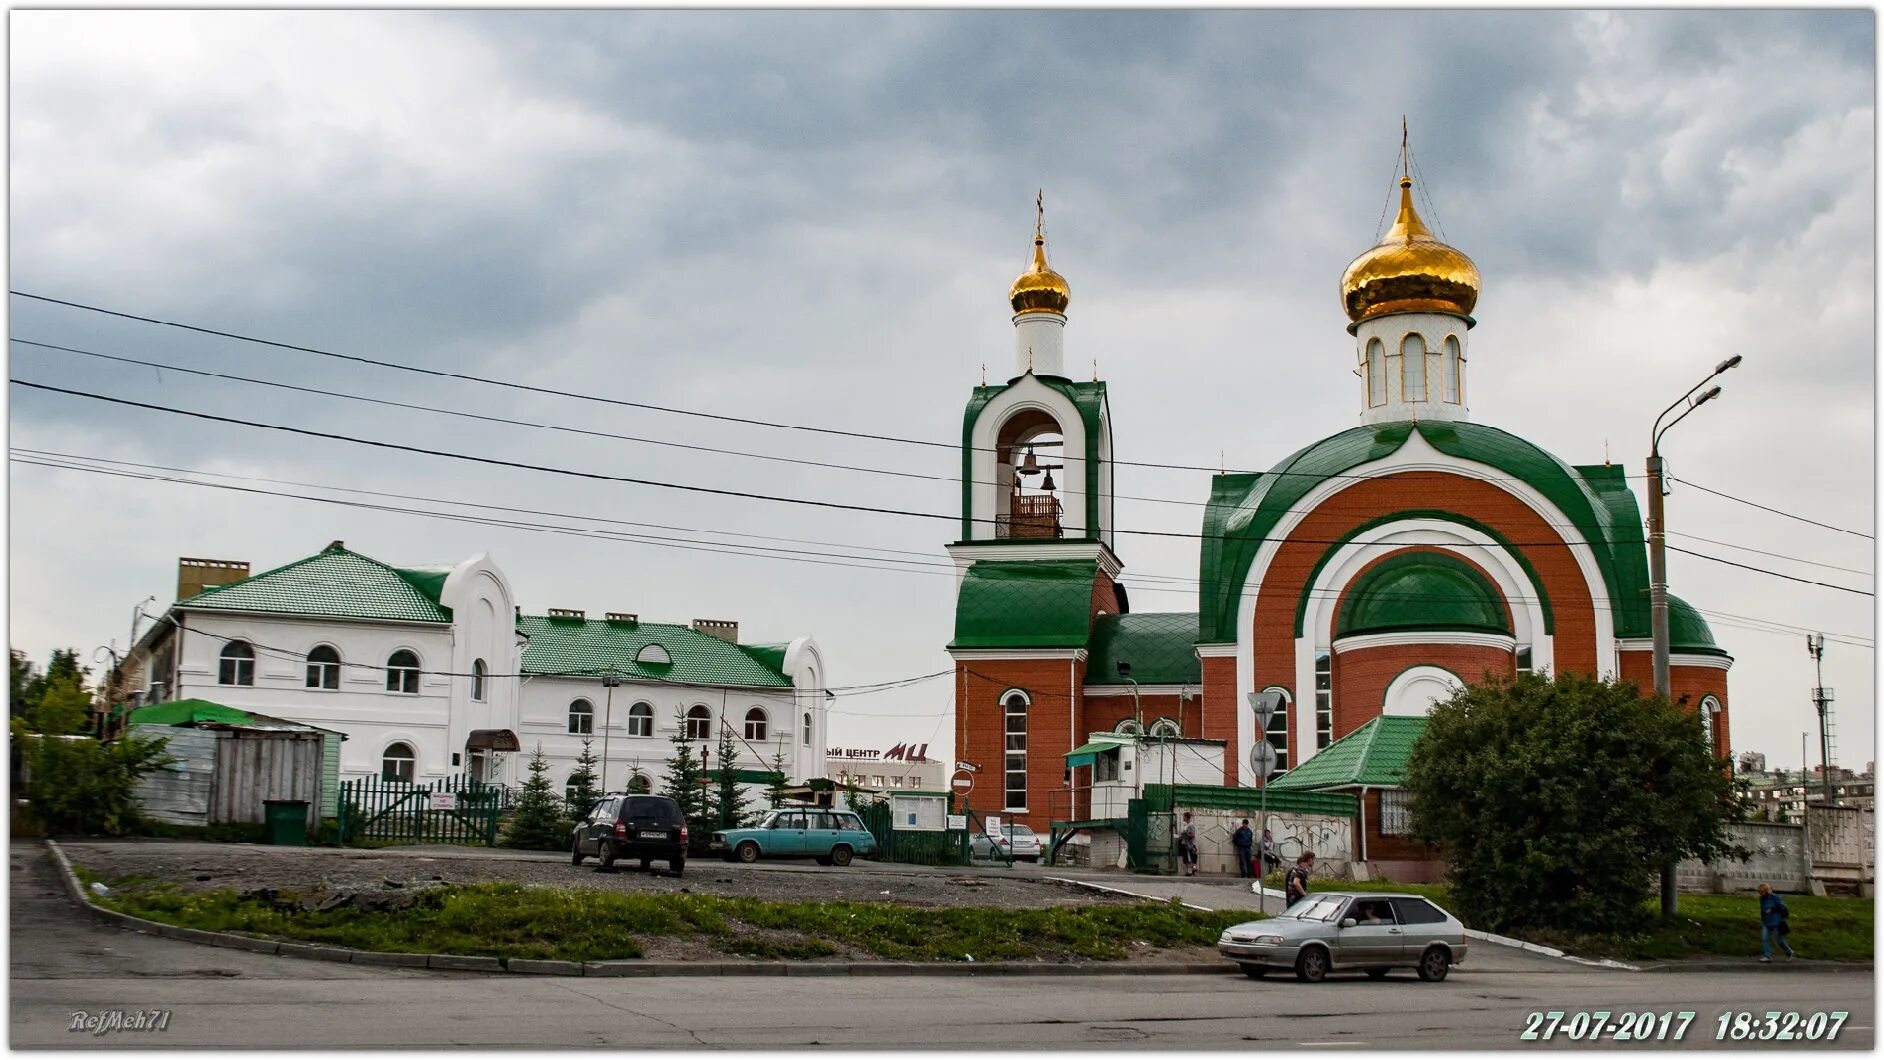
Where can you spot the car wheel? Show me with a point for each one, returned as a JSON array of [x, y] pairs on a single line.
[[840, 855], [1434, 964], [575, 852], [1312, 965], [822, 861], [678, 865], [747, 852], [1254, 971], [1377, 973], [605, 855]]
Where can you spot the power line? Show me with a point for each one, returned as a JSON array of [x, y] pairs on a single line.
[[1775, 511], [755, 551], [1774, 573]]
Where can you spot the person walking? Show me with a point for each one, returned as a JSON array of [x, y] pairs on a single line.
[[1187, 846], [1297, 886], [1773, 924], [1244, 840]]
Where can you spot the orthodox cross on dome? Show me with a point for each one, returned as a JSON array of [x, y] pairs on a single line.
[[1406, 156], [1040, 215]]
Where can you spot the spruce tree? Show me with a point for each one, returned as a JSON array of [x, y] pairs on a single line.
[[730, 803], [684, 785], [539, 823], [775, 787], [582, 793]]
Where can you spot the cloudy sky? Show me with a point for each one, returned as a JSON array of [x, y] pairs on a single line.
[[814, 218]]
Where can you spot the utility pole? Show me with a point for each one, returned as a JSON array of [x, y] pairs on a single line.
[[1822, 699], [609, 681]]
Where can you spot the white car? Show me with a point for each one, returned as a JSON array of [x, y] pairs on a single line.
[[1016, 841], [1333, 931]]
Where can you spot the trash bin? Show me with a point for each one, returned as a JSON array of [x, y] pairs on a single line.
[[287, 822]]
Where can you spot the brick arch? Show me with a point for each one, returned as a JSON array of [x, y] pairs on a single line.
[[1286, 578]]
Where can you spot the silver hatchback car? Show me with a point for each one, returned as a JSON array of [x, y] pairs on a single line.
[[1335, 931]]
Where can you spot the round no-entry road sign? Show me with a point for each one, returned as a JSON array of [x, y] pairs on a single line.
[[962, 782]]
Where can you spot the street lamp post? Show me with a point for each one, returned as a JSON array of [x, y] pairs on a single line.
[[1658, 555], [609, 681]]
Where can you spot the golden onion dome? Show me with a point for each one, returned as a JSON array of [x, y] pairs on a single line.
[[1409, 271], [1040, 289]]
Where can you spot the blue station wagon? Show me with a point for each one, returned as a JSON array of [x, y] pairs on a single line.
[[830, 836]]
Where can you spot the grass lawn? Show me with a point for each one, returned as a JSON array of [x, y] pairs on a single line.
[[579, 924], [1707, 925]]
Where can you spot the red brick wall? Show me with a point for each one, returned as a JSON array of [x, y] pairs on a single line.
[[1105, 596], [1052, 730], [1361, 676], [1381, 847], [1219, 709], [1686, 685], [1104, 713], [1365, 500]]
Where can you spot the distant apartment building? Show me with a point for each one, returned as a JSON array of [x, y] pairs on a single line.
[[1782, 795]]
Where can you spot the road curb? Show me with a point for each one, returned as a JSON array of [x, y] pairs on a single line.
[[602, 969]]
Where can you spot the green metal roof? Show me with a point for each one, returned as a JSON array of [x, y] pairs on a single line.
[[334, 583], [1373, 755], [1163, 798], [1021, 604], [1084, 754], [1422, 591], [1162, 649], [594, 646], [188, 712], [770, 656], [1245, 508], [1688, 631], [1088, 398]]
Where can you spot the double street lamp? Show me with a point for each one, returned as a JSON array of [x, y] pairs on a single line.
[[1658, 555]]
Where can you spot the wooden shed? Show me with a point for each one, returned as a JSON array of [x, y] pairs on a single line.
[[230, 763]]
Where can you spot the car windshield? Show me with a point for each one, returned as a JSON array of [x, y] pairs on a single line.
[[769, 819], [1313, 908], [1020, 830]]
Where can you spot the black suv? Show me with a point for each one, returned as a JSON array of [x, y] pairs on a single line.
[[648, 827]]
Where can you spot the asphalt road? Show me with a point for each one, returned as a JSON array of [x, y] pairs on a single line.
[[63, 963]]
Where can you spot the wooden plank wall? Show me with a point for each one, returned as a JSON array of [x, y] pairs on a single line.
[[254, 766], [179, 793]]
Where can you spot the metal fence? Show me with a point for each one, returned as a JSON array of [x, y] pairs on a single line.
[[454, 810], [948, 847]]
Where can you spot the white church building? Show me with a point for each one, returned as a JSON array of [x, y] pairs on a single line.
[[432, 672]]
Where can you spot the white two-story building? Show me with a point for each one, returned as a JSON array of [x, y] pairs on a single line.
[[433, 672]]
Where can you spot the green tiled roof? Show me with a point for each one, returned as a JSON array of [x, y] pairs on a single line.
[[1373, 755], [770, 656], [1163, 798], [335, 583], [1019, 604], [1244, 509], [1688, 631], [1088, 398], [1422, 591], [1162, 649], [595, 646]]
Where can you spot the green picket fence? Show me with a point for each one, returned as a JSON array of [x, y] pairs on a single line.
[[453, 810]]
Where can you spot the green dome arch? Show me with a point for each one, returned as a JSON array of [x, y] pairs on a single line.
[[1422, 591], [1688, 632]]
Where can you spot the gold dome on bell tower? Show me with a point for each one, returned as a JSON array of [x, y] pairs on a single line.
[[1409, 270], [1040, 289]]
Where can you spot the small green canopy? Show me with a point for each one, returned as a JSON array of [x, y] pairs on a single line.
[[1084, 754], [189, 712]]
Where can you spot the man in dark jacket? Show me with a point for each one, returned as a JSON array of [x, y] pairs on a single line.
[[1297, 885], [1773, 925], [1245, 841]]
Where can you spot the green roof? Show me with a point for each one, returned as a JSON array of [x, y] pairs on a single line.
[[1088, 398], [1422, 591], [1245, 508], [1162, 649], [1688, 631], [1163, 798], [188, 712], [334, 583], [770, 656], [1373, 755], [595, 646], [1022, 604]]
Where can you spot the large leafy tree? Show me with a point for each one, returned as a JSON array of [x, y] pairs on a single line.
[[54, 699], [1559, 800], [84, 786]]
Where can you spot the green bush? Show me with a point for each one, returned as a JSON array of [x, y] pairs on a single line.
[[83, 786]]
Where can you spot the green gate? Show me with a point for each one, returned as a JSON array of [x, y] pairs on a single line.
[[912, 847], [453, 810]]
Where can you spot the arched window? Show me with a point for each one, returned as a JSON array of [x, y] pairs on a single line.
[[1278, 731], [653, 655], [402, 672], [1324, 700], [755, 724], [581, 718], [641, 720], [398, 763], [639, 784], [807, 738], [323, 668], [1129, 727], [238, 664], [1452, 370], [699, 723], [1014, 708], [478, 674], [1164, 729], [1413, 368], [1709, 707], [1376, 373]]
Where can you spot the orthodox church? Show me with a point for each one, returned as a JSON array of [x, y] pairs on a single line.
[[1365, 575]]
